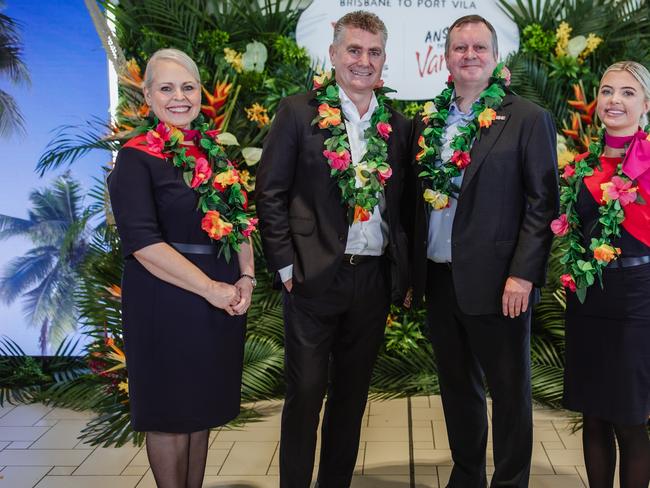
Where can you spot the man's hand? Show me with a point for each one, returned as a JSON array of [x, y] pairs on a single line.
[[408, 299], [515, 296], [288, 284]]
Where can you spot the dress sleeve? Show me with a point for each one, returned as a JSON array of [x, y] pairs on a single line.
[[130, 187]]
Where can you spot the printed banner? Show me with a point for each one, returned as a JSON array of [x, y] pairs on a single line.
[[417, 29]]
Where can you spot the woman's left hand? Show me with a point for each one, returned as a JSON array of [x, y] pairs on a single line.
[[245, 288]]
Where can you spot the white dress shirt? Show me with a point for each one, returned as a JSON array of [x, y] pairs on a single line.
[[367, 238]]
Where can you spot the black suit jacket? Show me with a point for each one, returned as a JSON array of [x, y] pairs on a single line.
[[507, 200], [302, 219]]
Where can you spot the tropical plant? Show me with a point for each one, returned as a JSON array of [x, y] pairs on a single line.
[[13, 67], [24, 378], [46, 275]]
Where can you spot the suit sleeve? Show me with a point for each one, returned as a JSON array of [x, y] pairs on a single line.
[[275, 177], [541, 190]]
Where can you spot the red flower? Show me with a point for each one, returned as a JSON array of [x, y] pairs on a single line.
[[560, 226], [569, 171], [568, 282], [202, 172], [450, 78], [361, 214], [384, 129], [157, 138], [461, 159], [251, 227], [619, 189], [213, 133], [216, 102], [245, 204], [340, 160]]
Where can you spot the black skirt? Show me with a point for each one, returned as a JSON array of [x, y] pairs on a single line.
[[607, 372]]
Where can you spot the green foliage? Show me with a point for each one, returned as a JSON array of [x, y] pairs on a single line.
[[403, 332], [537, 40]]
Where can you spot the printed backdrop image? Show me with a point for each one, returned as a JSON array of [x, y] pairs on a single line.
[[69, 85], [417, 29]]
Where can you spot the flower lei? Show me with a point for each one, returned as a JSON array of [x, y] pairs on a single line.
[[582, 267], [216, 180], [438, 177], [373, 170]]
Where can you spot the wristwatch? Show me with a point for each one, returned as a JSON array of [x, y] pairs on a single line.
[[252, 278]]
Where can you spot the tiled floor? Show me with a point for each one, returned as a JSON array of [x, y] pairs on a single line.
[[39, 448]]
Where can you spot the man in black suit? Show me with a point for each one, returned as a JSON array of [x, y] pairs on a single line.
[[480, 261], [339, 274]]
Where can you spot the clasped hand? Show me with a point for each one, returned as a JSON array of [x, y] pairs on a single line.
[[515, 296], [234, 299]]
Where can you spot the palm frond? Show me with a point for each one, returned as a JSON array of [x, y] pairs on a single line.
[[263, 366], [72, 142], [22, 272], [11, 119]]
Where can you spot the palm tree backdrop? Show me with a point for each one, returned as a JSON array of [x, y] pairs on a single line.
[[13, 68], [47, 274]]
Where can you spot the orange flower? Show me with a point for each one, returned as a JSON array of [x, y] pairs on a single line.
[[329, 116], [580, 104], [216, 102], [140, 112], [114, 290], [606, 253], [131, 75], [361, 214], [321, 78], [214, 226], [486, 117], [573, 132], [258, 113]]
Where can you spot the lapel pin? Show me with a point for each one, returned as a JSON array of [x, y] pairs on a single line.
[[501, 117]]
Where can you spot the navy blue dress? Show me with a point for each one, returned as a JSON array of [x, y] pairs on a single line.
[[184, 356], [607, 370]]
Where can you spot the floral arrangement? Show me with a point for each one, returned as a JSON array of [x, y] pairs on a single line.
[[360, 183], [439, 177]]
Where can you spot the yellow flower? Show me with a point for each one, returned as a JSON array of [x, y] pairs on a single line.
[[358, 171], [246, 180], [258, 113], [428, 110], [131, 75], [562, 34], [593, 41], [486, 117], [436, 199], [565, 157], [124, 386], [234, 59], [321, 77]]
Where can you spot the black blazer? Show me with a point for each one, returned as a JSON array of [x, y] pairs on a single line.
[[302, 219], [508, 198]]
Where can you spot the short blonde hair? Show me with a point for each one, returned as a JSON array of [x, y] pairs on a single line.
[[170, 54], [640, 74]]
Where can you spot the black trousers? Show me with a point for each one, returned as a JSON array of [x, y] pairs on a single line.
[[331, 343], [469, 348]]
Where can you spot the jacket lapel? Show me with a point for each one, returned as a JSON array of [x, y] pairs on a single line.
[[483, 145]]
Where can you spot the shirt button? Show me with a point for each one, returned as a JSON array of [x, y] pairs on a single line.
[[341, 238]]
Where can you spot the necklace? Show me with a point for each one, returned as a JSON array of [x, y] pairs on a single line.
[[214, 178], [583, 266], [373, 170], [437, 174]]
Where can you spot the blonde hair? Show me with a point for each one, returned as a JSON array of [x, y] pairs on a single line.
[[170, 54], [640, 73]]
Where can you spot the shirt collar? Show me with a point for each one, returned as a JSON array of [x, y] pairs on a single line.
[[454, 109], [350, 109]]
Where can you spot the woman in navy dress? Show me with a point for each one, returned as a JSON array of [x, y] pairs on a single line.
[[607, 373], [183, 305]]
